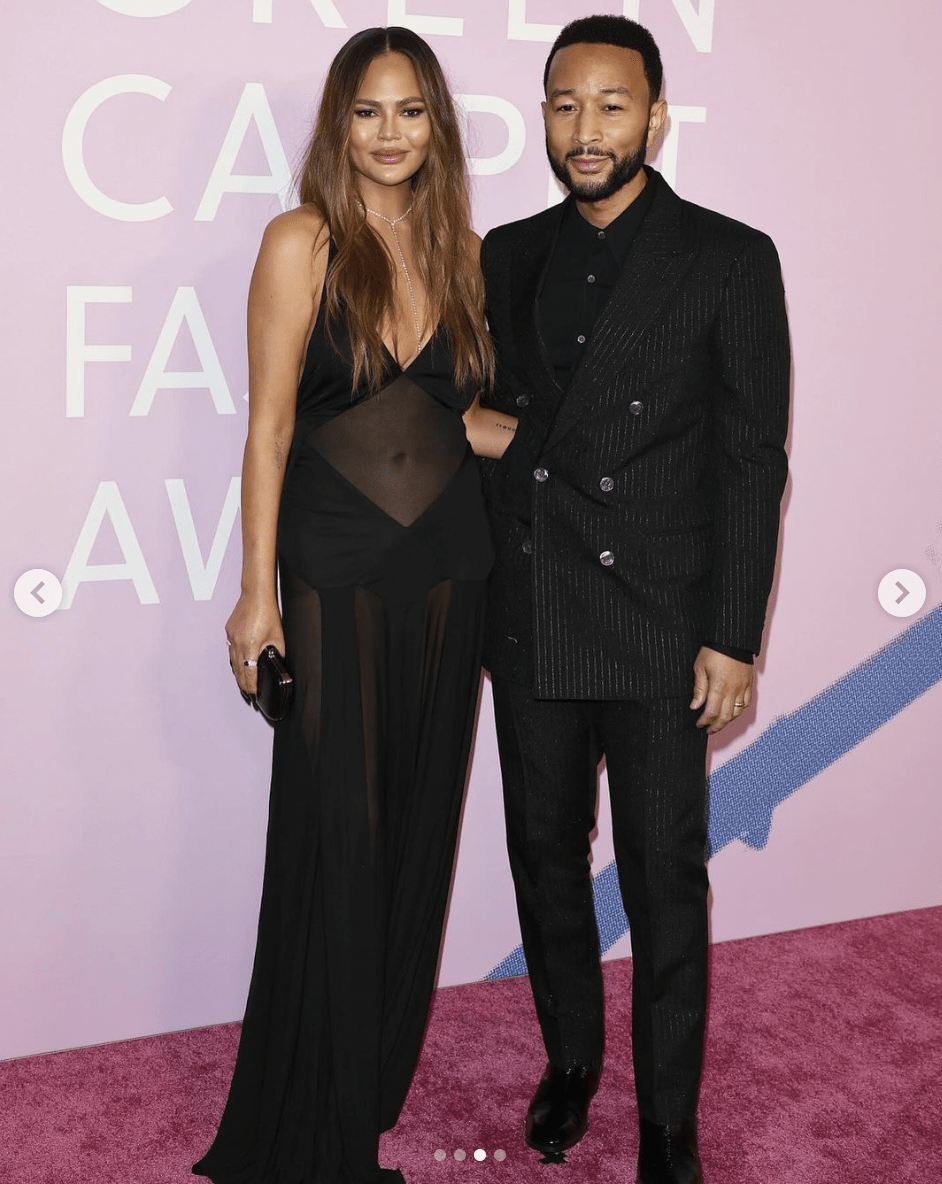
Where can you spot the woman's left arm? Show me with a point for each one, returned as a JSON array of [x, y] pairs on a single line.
[[489, 431]]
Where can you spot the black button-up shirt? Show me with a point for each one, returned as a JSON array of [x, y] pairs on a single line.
[[579, 280]]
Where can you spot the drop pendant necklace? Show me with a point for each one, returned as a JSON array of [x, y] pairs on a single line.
[[393, 222]]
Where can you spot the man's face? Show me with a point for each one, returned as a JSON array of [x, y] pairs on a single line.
[[598, 117]]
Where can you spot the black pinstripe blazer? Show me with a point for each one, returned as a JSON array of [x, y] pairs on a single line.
[[654, 479]]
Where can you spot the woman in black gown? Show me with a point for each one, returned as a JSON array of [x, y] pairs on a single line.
[[359, 479]]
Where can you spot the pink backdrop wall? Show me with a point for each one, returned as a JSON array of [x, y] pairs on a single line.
[[146, 142]]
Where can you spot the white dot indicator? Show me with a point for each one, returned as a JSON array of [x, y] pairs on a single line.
[[439, 1155], [461, 1155], [500, 1155], [480, 1154]]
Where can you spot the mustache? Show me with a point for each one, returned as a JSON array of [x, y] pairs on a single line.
[[588, 152]]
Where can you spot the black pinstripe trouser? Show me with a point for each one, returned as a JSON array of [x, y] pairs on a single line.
[[656, 761]]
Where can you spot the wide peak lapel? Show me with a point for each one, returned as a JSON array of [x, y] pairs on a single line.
[[656, 263], [531, 260]]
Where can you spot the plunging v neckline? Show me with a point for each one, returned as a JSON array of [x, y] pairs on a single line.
[[412, 361]]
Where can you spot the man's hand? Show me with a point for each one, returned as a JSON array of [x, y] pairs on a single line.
[[722, 686]]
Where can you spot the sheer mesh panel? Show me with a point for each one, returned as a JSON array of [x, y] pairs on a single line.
[[400, 448], [371, 626], [438, 603], [301, 616]]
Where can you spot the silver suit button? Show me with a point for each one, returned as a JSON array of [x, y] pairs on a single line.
[[606, 485], [522, 400], [636, 408], [526, 547], [606, 559], [591, 279], [540, 474], [581, 339]]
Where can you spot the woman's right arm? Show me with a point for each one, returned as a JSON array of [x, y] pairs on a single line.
[[283, 298]]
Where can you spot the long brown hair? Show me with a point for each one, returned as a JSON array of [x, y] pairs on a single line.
[[360, 282]]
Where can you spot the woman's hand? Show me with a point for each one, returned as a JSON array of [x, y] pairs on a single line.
[[255, 623]]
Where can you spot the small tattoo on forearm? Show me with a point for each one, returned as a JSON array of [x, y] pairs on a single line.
[[507, 427]]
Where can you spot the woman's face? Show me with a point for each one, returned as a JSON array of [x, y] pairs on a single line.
[[390, 127]]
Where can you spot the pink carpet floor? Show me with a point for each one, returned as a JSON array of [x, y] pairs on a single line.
[[824, 1066]]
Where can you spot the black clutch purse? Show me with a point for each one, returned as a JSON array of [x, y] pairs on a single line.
[[275, 685]]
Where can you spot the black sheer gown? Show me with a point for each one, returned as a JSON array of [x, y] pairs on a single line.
[[384, 551]]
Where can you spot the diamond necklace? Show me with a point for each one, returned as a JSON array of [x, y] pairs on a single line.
[[393, 223]]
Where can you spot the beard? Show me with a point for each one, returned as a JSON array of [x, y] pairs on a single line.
[[623, 170]]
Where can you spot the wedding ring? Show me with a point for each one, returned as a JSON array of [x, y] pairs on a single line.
[[249, 662], [739, 705]]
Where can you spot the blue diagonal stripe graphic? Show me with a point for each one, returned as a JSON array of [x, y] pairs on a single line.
[[789, 753]]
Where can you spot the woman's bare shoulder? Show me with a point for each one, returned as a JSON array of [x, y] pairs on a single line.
[[294, 249], [302, 229]]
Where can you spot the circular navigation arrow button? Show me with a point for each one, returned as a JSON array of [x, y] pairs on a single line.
[[37, 592], [901, 593]]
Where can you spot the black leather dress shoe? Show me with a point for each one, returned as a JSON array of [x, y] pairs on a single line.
[[558, 1116], [669, 1154]]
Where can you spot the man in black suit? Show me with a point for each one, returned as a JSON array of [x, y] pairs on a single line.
[[642, 341]]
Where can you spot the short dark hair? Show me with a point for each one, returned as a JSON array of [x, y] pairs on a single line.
[[613, 30]]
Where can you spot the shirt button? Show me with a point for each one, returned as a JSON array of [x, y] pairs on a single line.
[[526, 547], [591, 279], [606, 484], [581, 339], [522, 400], [606, 559], [540, 474], [636, 408], [601, 234]]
